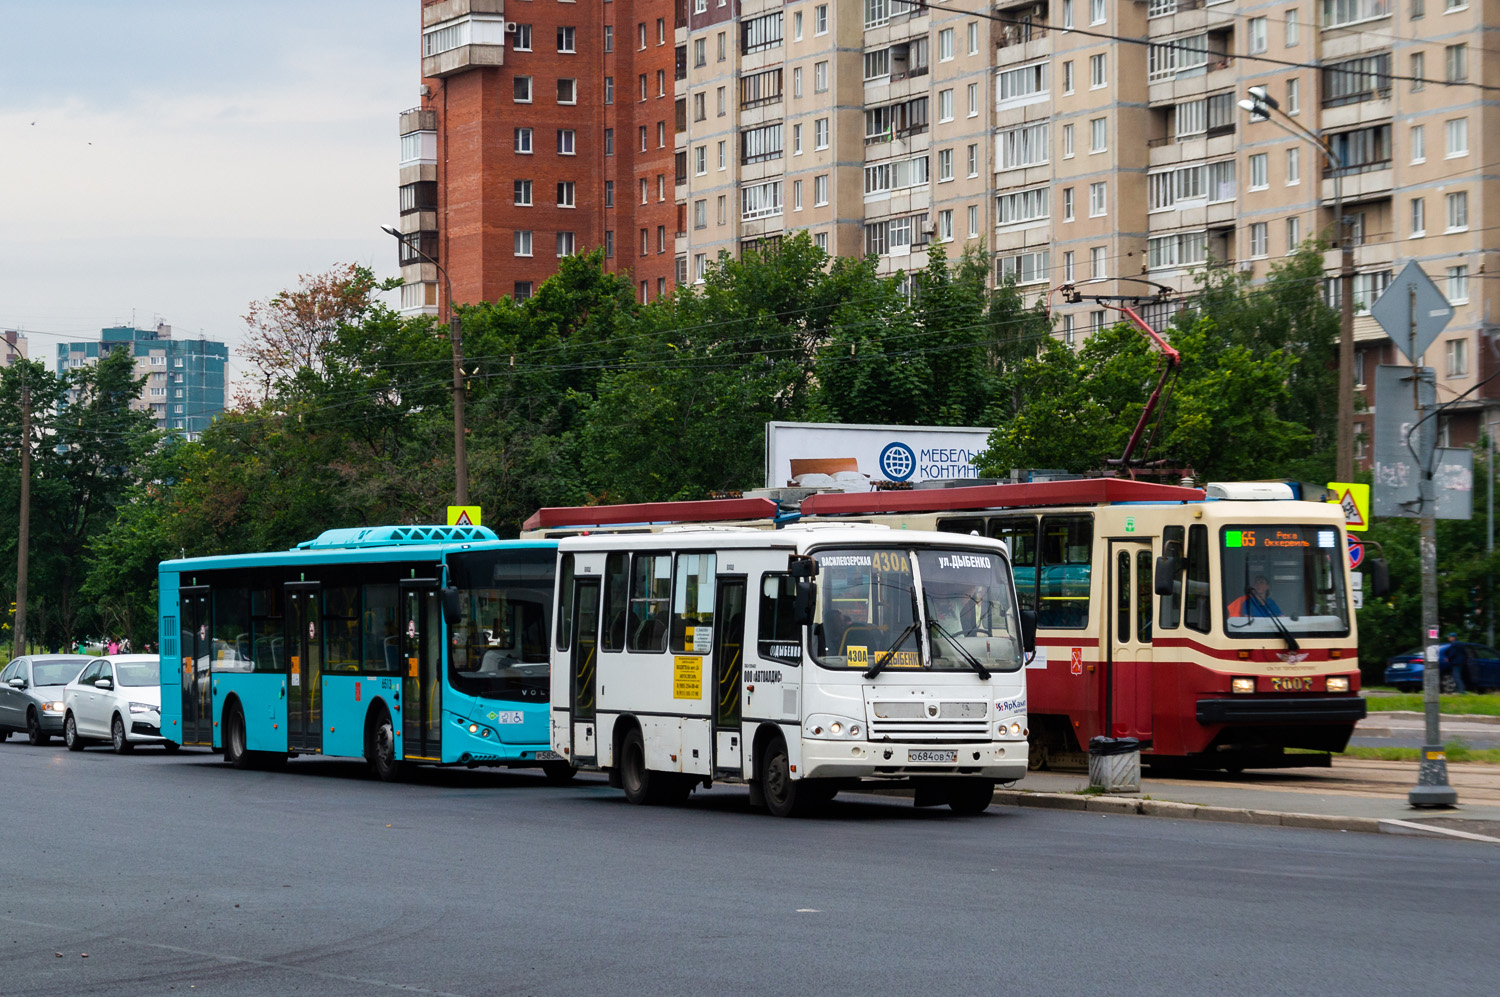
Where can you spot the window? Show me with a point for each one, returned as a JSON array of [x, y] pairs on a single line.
[[661, 239], [1067, 141], [522, 191], [1023, 146], [1258, 239], [661, 31], [760, 88], [1356, 80], [796, 140], [973, 160], [641, 32], [1190, 119], [1292, 24], [566, 142], [1457, 350], [820, 77], [1067, 204], [1097, 199], [1260, 171], [797, 83], [973, 221], [760, 201], [661, 134], [565, 39], [1293, 95], [796, 195], [1167, 188], [645, 191], [1022, 83], [700, 266], [1165, 60], [609, 193], [1363, 149], [1024, 268], [661, 83], [720, 101], [1068, 76], [1068, 266], [700, 53], [820, 133], [1197, 612], [945, 105], [821, 241], [700, 160], [797, 27], [1457, 133], [645, 250], [609, 244], [1180, 250], [521, 89], [1456, 61], [1027, 205], [820, 189], [760, 144], [900, 175], [609, 141], [760, 33], [609, 89], [642, 132], [567, 91], [1293, 166], [721, 43], [523, 140], [973, 97], [945, 165], [1458, 211], [1096, 262], [1257, 32], [820, 19], [1419, 143], [877, 64], [1458, 287], [1096, 11], [945, 225], [1096, 72], [721, 209], [945, 45], [1067, 326], [700, 107], [642, 80], [1293, 235], [1097, 138], [523, 242], [1337, 12], [1067, 13], [1418, 217]]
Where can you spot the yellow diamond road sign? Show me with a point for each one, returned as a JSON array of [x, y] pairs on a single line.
[[463, 515], [1355, 501]]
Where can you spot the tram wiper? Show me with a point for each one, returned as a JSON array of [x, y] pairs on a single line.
[[876, 668], [1291, 642], [963, 652]]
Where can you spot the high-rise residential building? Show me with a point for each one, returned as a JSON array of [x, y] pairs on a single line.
[[12, 346], [1079, 141], [185, 378], [544, 130]]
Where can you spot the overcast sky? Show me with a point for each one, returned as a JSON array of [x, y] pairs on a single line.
[[176, 160]]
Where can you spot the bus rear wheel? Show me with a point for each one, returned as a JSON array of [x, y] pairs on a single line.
[[559, 773], [234, 737], [970, 796], [380, 749]]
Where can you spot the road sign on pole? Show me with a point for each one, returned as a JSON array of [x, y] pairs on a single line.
[[1398, 470], [1354, 498], [464, 515], [1412, 311], [1356, 554]]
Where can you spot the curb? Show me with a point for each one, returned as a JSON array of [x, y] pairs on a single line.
[[1227, 815], [1468, 718]]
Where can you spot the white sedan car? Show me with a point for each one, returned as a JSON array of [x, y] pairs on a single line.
[[118, 699]]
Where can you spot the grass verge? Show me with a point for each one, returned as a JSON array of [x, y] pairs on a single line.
[[1457, 751], [1472, 703]]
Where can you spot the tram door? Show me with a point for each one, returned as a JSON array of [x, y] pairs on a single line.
[[304, 666], [422, 661], [1129, 685], [729, 660], [583, 667], [194, 663]]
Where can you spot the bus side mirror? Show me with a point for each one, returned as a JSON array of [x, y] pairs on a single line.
[[1028, 630], [1168, 567], [452, 606], [1380, 578], [802, 566], [802, 602]]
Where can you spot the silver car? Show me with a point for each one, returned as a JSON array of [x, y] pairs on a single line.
[[31, 694]]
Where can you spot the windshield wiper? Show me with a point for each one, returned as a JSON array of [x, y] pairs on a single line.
[[1291, 642], [963, 652], [876, 668]]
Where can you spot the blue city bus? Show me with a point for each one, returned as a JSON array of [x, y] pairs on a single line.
[[396, 644]]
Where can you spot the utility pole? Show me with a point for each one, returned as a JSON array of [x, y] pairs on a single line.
[[23, 540], [1345, 452]]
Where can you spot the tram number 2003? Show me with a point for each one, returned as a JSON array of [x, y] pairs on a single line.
[[1291, 684]]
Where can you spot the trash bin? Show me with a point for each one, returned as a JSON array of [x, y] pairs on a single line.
[[1115, 764]]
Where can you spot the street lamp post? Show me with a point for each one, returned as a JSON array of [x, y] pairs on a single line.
[[455, 337], [1260, 105]]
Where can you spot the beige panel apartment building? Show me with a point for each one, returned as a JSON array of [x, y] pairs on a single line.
[[1097, 140]]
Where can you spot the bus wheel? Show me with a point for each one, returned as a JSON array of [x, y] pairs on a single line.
[[559, 773], [970, 796], [380, 749], [170, 747], [641, 785], [234, 737], [784, 797]]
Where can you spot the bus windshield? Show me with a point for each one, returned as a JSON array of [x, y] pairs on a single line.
[[868, 610], [498, 649], [1283, 579]]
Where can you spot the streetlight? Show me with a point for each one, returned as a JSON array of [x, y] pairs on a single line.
[[1260, 105], [455, 336]]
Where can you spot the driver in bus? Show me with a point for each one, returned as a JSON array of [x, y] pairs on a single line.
[[1256, 601]]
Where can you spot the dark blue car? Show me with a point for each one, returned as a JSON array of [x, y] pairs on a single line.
[[1405, 671]]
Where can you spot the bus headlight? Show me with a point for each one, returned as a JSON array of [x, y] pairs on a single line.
[[828, 727], [1242, 685], [1338, 683]]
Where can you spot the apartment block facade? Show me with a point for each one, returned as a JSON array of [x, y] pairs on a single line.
[[185, 378], [1089, 142], [13, 346]]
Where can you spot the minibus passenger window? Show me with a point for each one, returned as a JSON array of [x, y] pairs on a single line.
[[650, 593], [565, 598], [778, 637], [616, 611], [693, 604]]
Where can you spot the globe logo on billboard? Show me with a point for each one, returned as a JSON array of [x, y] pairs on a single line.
[[897, 461]]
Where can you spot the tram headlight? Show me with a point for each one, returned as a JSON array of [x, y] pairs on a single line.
[[1242, 685], [1338, 683]]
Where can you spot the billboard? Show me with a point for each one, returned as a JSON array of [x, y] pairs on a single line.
[[853, 456]]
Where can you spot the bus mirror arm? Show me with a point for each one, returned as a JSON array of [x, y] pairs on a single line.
[[1028, 630], [452, 607], [802, 603]]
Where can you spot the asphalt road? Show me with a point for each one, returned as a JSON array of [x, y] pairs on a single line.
[[1409, 730], [177, 874]]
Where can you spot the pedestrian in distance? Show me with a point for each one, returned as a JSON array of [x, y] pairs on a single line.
[[1454, 660], [113, 647]]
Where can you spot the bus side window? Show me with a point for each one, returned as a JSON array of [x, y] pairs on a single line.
[[341, 628], [1197, 613], [1065, 572], [266, 629], [616, 606], [1171, 605], [778, 637], [382, 642], [1019, 534], [565, 599], [964, 526], [650, 594], [693, 604], [231, 629]]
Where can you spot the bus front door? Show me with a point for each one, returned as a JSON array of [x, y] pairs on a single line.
[[583, 667], [729, 660], [1128, 684], [304, 667], [194, 663], [421, 659]]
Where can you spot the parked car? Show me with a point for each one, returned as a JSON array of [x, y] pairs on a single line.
[[118, 699], [31, 694], [1405, 671]]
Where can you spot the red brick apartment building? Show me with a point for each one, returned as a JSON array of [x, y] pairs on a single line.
[[546, 128]]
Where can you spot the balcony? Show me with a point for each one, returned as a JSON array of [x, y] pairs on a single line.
[[417, 119], [458, 35]]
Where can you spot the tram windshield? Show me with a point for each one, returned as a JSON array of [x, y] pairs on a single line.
[[869, 612], [498, 649], [1283, 580]]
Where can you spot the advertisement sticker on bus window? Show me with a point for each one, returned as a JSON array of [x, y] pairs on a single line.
[[687, 676], [296, 670], [411, 667], [703, 639]]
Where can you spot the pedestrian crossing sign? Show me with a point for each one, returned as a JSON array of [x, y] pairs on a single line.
[[1354, 499], [464, 515]]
